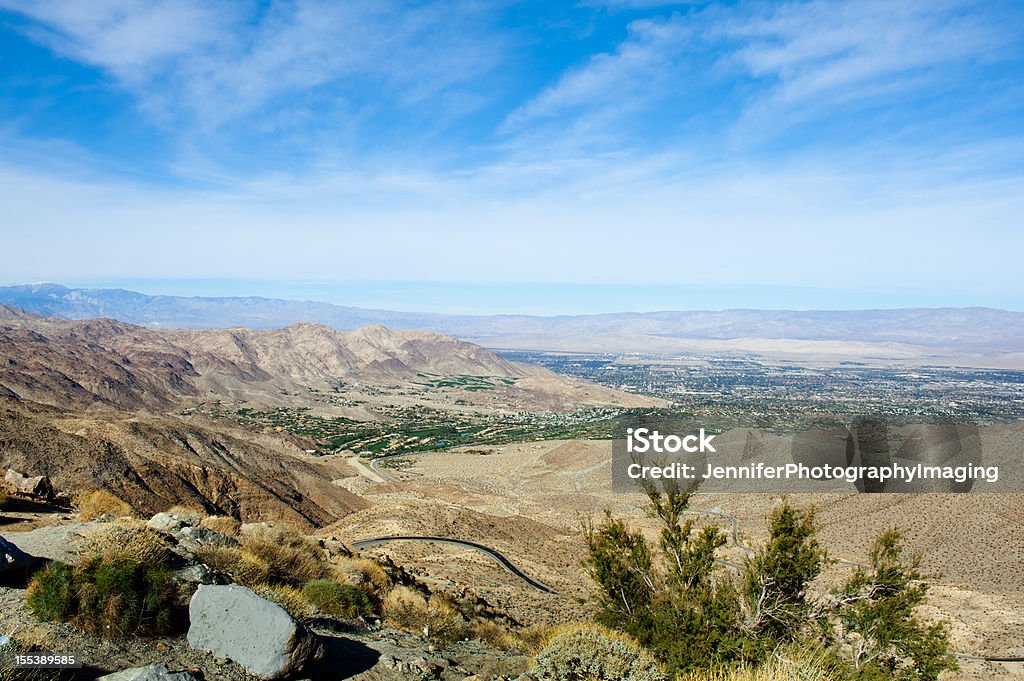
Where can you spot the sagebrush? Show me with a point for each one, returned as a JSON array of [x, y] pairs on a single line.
[[594, 653]]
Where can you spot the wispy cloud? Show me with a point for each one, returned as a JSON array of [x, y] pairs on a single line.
[[614, 82], [796, 61], [133, 39], [210, 63], [820, 54]]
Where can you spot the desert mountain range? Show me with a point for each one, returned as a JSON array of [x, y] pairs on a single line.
[[951, 336], [83, 363], [98, 403]]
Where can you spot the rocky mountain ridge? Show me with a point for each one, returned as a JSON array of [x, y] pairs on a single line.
[[103, 362]]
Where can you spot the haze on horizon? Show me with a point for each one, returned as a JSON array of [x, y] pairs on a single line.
[[816, 154]]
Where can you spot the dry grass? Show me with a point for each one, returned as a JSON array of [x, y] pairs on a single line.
[[244, 567], [435, 618], [192, 511], [531, 639], [796, 664], [127, 539], [26, 640], [290, 557], [363, 572], [277, 556], [4, 496], [289, 598], [493, 634], [92, 505], [223, 524]]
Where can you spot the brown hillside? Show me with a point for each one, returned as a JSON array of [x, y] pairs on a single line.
[[154, 463], [104, 362]]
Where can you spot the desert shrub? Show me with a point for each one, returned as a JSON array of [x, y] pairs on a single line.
[[107, 597], [338, 599], [786, 664], [288, 556], [776, 578], [4, 496], [92, 505], [289, 598], [531, 639], [435, 617], [223, 524], [363, 572], [51, 594], [128, 539], [877, 623], [585, 652], [671, 598], [493, 634], [243, 566]]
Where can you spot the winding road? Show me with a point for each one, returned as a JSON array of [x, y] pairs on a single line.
[[496, 556]]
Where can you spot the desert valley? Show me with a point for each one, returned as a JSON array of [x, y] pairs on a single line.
[[356, 437]]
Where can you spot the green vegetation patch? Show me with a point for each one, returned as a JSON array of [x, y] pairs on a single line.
[[337, 599], [674, 599], [111, 598]]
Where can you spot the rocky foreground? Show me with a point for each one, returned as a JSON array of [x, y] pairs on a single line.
[[232, 632]]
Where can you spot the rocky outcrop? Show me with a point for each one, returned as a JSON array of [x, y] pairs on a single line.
[[32, 485], [233, 622], [172, 523], [154, 672]]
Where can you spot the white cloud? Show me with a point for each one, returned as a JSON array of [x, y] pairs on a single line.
[[211, 63], [804, 59], [131, 38], [824, 50]]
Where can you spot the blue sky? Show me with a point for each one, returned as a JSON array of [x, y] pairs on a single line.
[[797, 154]]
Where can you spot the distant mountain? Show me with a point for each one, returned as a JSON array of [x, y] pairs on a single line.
[[978, 334], [177, 312], [81, 363]]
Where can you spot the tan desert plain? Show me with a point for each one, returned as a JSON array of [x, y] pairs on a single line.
[[186, 418]]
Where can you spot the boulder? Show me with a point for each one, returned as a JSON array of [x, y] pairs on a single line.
[[194, 537], [233, 622], [154, 672], [15, 564], [36, 486], [172, 523], [196, 574]]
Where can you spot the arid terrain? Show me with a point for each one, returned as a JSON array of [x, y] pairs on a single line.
[[264, 426], [527, 501]]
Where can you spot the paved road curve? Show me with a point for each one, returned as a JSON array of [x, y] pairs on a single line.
[[497, 557]]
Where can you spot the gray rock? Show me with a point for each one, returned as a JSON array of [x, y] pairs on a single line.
[[154, 672], [14, 563], [171, 523], [194, 537], [196, 574], [233, 622]]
